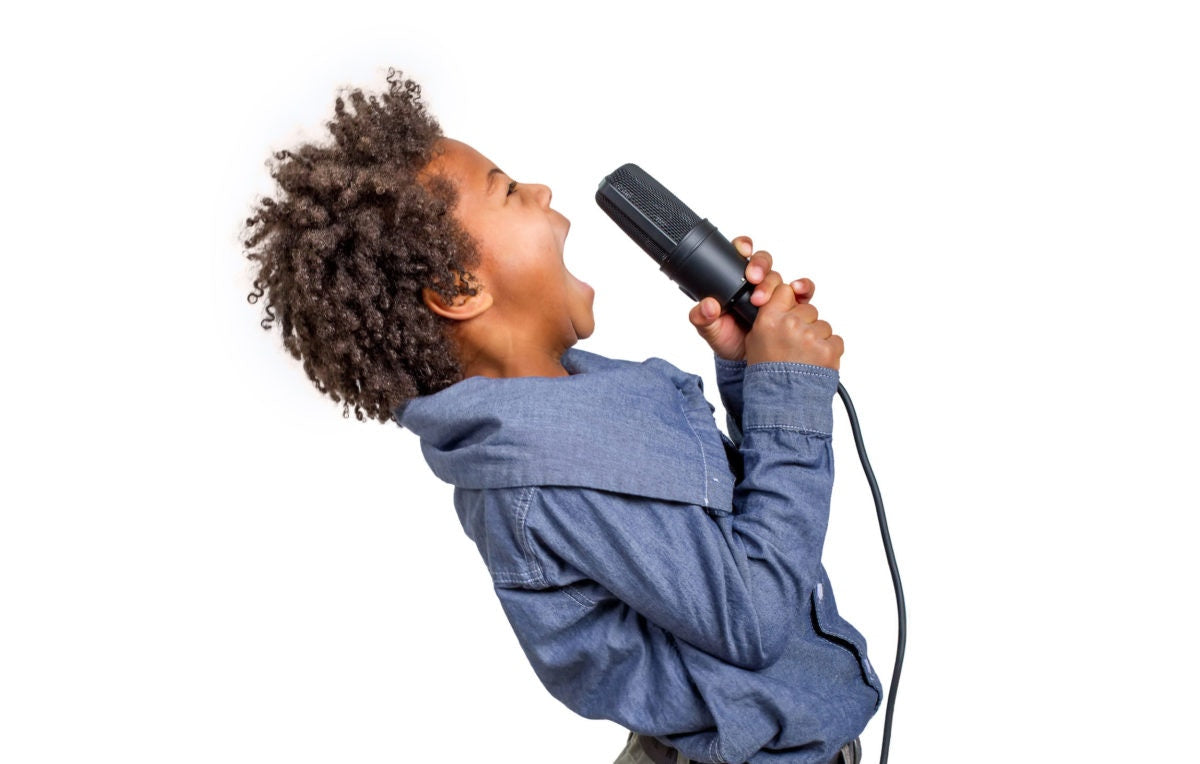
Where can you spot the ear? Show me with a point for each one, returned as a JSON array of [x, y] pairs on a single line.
[[463, 307]]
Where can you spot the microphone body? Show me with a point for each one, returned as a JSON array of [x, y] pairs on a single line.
[[688, 249]]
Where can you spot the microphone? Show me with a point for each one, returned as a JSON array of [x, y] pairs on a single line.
[[691, 251]]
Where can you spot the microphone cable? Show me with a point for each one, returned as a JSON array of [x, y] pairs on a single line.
[[901, 612]]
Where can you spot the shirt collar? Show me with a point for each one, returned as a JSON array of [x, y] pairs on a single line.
[[615, 425]]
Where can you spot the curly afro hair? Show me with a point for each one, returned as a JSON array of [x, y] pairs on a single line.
[[347, 245]]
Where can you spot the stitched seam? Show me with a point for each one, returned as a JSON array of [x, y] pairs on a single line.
[[768, 367], [715, 751], [507, 577], [578, 596], [703, 457], [523, 504], [785, 371], [791, 427]]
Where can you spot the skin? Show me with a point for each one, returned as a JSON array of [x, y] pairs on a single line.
[[529, 308], [786, 329]]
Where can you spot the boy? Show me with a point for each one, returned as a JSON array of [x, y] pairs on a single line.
[[656, 573]]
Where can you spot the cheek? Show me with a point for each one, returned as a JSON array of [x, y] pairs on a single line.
[[517, 274]]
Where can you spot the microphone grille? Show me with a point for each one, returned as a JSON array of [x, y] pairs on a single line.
[[631, 228], [653, 200]]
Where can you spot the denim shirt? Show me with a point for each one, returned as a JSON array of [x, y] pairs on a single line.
[[657, 573]]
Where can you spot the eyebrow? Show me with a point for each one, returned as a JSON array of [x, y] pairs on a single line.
[[492, 173]]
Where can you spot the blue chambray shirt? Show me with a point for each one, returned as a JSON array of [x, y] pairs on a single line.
[[656, 572]]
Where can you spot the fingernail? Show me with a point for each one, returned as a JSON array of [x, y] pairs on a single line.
[[743, 247], [755, 273]]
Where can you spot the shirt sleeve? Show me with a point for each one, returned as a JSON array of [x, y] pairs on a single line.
[[727, 583], [730, 375]]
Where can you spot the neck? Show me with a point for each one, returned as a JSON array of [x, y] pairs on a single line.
[[517, 366], [509, 356]]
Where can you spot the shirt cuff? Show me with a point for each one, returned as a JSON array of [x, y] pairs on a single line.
[[729, 371], [790, 396]]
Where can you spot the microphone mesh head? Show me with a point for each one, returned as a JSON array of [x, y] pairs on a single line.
[[673, 217], [630, 228]]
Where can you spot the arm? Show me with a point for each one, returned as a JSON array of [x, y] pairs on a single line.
[[730, 584], [597, 656], [729, 384]]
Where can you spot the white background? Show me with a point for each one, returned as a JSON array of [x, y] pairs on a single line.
[[202, 561]]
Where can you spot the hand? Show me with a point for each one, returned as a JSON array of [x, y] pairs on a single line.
[[721, 330], [786, 330]]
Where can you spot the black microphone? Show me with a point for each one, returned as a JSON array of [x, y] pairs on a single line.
[[691, 251]]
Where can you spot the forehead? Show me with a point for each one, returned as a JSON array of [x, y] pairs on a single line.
[[461, 162]]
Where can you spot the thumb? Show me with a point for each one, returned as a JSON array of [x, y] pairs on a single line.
[[705, 313]]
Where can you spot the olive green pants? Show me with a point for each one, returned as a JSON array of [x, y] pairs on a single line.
[[636, 753]]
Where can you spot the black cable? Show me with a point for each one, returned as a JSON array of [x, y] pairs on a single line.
[[901, 614]]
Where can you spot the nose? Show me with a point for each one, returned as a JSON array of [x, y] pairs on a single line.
[[542, 193]]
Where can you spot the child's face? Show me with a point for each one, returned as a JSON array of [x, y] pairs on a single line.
[[520, 240]]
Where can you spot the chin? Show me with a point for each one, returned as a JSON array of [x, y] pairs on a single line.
[[584, 329], [585, 324]]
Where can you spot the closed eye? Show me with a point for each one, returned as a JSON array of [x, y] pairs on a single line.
[[512, 186]]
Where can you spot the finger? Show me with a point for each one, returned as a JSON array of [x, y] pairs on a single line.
[[759, 266], [803, 289], [743, 245], [781, 298], [823, 329], [764, 290], [801, 314], [705, 312]]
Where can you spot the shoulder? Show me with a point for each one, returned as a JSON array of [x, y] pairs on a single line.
[[578, 361], [527, 535]]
